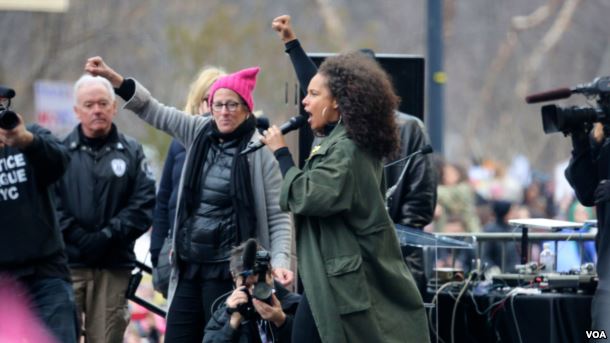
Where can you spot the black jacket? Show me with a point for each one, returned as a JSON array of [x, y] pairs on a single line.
[[589, 165], [29, 234], [415, 198], [210, 232], [218, 329], [105, 201]]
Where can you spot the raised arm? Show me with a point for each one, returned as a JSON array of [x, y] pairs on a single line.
[[138, 99], [97, 67], [302, 64], [48, 157]]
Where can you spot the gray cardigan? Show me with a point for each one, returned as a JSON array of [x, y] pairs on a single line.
[[274, 227]]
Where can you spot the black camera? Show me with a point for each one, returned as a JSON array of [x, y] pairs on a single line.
[[8, 118], [262, 290], [572, 119], [569, 119]]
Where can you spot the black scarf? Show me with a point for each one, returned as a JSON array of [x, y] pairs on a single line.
[[241, 188]]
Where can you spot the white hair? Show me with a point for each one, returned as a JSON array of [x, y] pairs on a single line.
[[87, 79]]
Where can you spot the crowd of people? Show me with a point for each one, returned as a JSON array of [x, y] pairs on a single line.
[[483, 197], [223, 222]]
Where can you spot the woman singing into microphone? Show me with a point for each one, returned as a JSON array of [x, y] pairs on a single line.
[[357, 288]]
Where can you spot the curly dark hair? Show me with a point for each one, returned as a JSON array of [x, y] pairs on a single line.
[[366, 100]]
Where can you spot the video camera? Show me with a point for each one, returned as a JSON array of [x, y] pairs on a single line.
[[259, 265], [8, 118], [571, 119]]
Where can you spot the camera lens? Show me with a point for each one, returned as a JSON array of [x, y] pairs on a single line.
[[262, 291]]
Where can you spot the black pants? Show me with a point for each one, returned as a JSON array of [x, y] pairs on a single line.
[[600, 312], [190, 309], [304, 328]]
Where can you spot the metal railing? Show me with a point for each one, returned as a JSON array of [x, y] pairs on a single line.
[[479, 238]]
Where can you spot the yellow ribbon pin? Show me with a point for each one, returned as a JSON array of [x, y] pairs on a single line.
[[313, 151]]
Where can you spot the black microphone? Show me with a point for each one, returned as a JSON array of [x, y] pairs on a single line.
[[554, 94], [597, 86], [425, 150], [291, 125], [248, 258]]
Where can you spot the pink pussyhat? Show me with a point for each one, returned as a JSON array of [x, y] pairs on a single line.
[[18, 322], [241, 82]]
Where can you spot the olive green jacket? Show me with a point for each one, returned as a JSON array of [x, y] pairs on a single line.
[[356, 282]]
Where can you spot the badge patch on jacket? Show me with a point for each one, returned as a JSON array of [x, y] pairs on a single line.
[[118, 167]]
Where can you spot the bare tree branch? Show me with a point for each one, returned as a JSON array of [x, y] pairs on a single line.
[[332, 23], [550, 39], [503, 55]]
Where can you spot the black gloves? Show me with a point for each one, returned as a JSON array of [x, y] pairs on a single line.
[[91, 245], [602, 192]]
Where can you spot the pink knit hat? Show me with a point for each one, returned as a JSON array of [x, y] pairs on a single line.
[[241, 82]]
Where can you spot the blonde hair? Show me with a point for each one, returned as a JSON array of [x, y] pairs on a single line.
[[207, 76]]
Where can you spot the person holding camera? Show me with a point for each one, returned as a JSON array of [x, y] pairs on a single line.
[[589, 174], [31, 246], [254, 311]]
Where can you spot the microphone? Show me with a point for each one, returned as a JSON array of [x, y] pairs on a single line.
[[291, 125], [248, 258], [597, 86], [554, 94], [423, 151]]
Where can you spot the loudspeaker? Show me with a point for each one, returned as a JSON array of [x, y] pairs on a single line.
[[407, 74]]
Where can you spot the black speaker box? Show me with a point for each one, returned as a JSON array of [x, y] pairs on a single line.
[[407, 74]]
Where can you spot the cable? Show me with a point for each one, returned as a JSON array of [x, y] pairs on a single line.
[[489, 308], [220, 297], [512, 308], [434, 302], [455, 306]]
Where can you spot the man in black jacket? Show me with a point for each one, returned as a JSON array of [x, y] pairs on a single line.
[[31, 248], [243, 318], [106, 200], [589, 174], [413, 202]]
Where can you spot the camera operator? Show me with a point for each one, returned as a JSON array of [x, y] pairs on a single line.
[[589, 173], [31, 247], [243, 317]]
